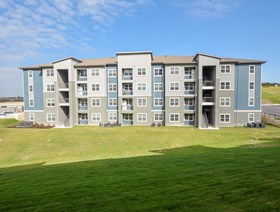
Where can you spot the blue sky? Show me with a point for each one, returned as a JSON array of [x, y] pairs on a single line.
[[41, 31]]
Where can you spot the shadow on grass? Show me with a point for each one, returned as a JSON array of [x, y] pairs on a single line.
[[190, 178]]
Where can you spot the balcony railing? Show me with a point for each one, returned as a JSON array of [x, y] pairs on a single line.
[[127, 107], [207, 99], [188, 122], [127, 77], [83, 121], [208, 83], [82, 93], [189, 107], [63, 85], [127, 92], [127, 122], [63, 100], [82, 78], [82, 107], [189, 92], [189, 76]]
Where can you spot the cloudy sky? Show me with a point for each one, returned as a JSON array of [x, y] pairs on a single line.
[[41, 31]]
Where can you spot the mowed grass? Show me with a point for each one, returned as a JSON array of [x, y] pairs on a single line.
[[147, 169], [271, 95]]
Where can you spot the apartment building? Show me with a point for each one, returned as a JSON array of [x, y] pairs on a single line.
[[138, 88]]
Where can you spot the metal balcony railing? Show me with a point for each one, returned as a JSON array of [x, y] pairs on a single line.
[[63, 100], [189, 76], [189, 92], [82, 107], [127, 107], [82, 78], [208, 83], [82, 93], [63, 85], [207, 99], [127, 77], [127, 92], [189, 107], [83, 121]]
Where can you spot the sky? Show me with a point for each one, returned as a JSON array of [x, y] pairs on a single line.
[[41, 31]]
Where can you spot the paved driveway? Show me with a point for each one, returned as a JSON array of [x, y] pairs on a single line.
[[274, 110]]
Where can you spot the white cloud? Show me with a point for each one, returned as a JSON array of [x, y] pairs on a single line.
[[206, 8]]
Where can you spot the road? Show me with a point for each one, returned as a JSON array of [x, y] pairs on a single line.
[[271, 109]]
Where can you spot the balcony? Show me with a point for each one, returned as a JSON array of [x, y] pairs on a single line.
[[127, 108], [83, 122], [208, 100], [81, 78], [189, 92], [82, 107], [127, 78], [208, 84], [82, 93], [127, 92], [63, 85], [188, 122], [189, 76], [189, 107], [127, 122]]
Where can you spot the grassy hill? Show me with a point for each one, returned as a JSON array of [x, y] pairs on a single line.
[[271, 95], [139, 169]]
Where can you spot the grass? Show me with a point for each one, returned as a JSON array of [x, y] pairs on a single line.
[[139, 169], [271, 95]]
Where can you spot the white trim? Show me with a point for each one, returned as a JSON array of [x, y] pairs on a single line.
[[224, 101], [115, 113], [95, 69], [51, 100], [112, 110], [159, 74], [224, 114], [249, 117], [112, 84], [155, 87], [141, 71], [112, 99], [254, 69], [50, 84], [142, 117], [225, 69], [158, 114], [225, 85], [246, 111], [33, 111], [253, 85], [29, 103], [138, 83], [174, 114], [155, 102], [33, 116], [95, 120], [174, 67], [30, 75], [253, 102], [174, 85], [158, 110], [141, 105], [174, 102], [95, 105], [95, 86], [112, 70], [51, 117]]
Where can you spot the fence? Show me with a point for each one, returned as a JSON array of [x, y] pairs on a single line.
[[272, 119]]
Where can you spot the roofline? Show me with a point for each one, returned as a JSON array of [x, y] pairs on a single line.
[[207, 55], [67, 58], [135, 52]]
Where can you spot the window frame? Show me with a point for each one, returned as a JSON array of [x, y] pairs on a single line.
[[174, 114], [114, 115], [189, 114], [33, 116], [96, 114], [30, 74], [170, 86], [225, 85], [31, 100], [158, 99], [112, 72], [95, 72], [253, 83], [142, 71], [96, 85], [113, 85], [49, 72], [96, 99], [158, 85], [175, 100], [112, 100], [140, 105], [140, 85], [158, 72], [50, 102], [175, 71], [142, 118], [249, 120], [157, 114], [224, 121], [31, 88], [51, 117], [224, 102], [50, 87], [254, 69], [225, 69], [253, 101]]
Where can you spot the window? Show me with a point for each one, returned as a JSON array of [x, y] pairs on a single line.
[[31, 117], [189, 86], [50, 117], [113, 116], [251, 101], [141, 102], [30, 88], [30, 73], [174, 86], [49, 72], [96, 102], [251, 117], [112, 72], [189, 102], [174, 117], [50, 102], [158, 86], [127, 117], [189, 117], [158, 117], [112, 102], [158, 71], [225, 85], [96, 117], [112, 87], [142, 117], [189, 72], [224, 118], [174, 102], [158, 102], [251, 69], [50, 87], [174, 70], [251, 85], [141, 71], [141, 86], [96, 87], [31, 103], [225, 69], [95, 72], [225, 101]]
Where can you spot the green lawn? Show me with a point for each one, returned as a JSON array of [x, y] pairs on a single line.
[[139, 169], [271, 95]]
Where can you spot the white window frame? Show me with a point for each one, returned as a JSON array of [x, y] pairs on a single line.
[[95, 72], [113, 116], [189, 114], [141, 71], [141, 86], [157, 86], [112, 100], [172, 85], [142, 117], [31, 88], [96, 100], [97, 117], [225, 69], [50, 117], [31, 116], [49, 87], [253, 83], [49, 72], [252, 69], [158, 99], [31, 100], [224, 118], [112, 87], [175, 100], [158, 72], [112, 72], [30, 73], [174, 116], [249, 101], [253, 117], [140, 102], [96, 85], [223, 101], [158, 116], [50, 102], [225, 85], [174, 70]]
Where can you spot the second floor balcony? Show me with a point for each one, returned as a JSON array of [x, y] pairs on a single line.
[[208, 99], [189, 92], [127, 92], [82, 93], [82, 107]]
